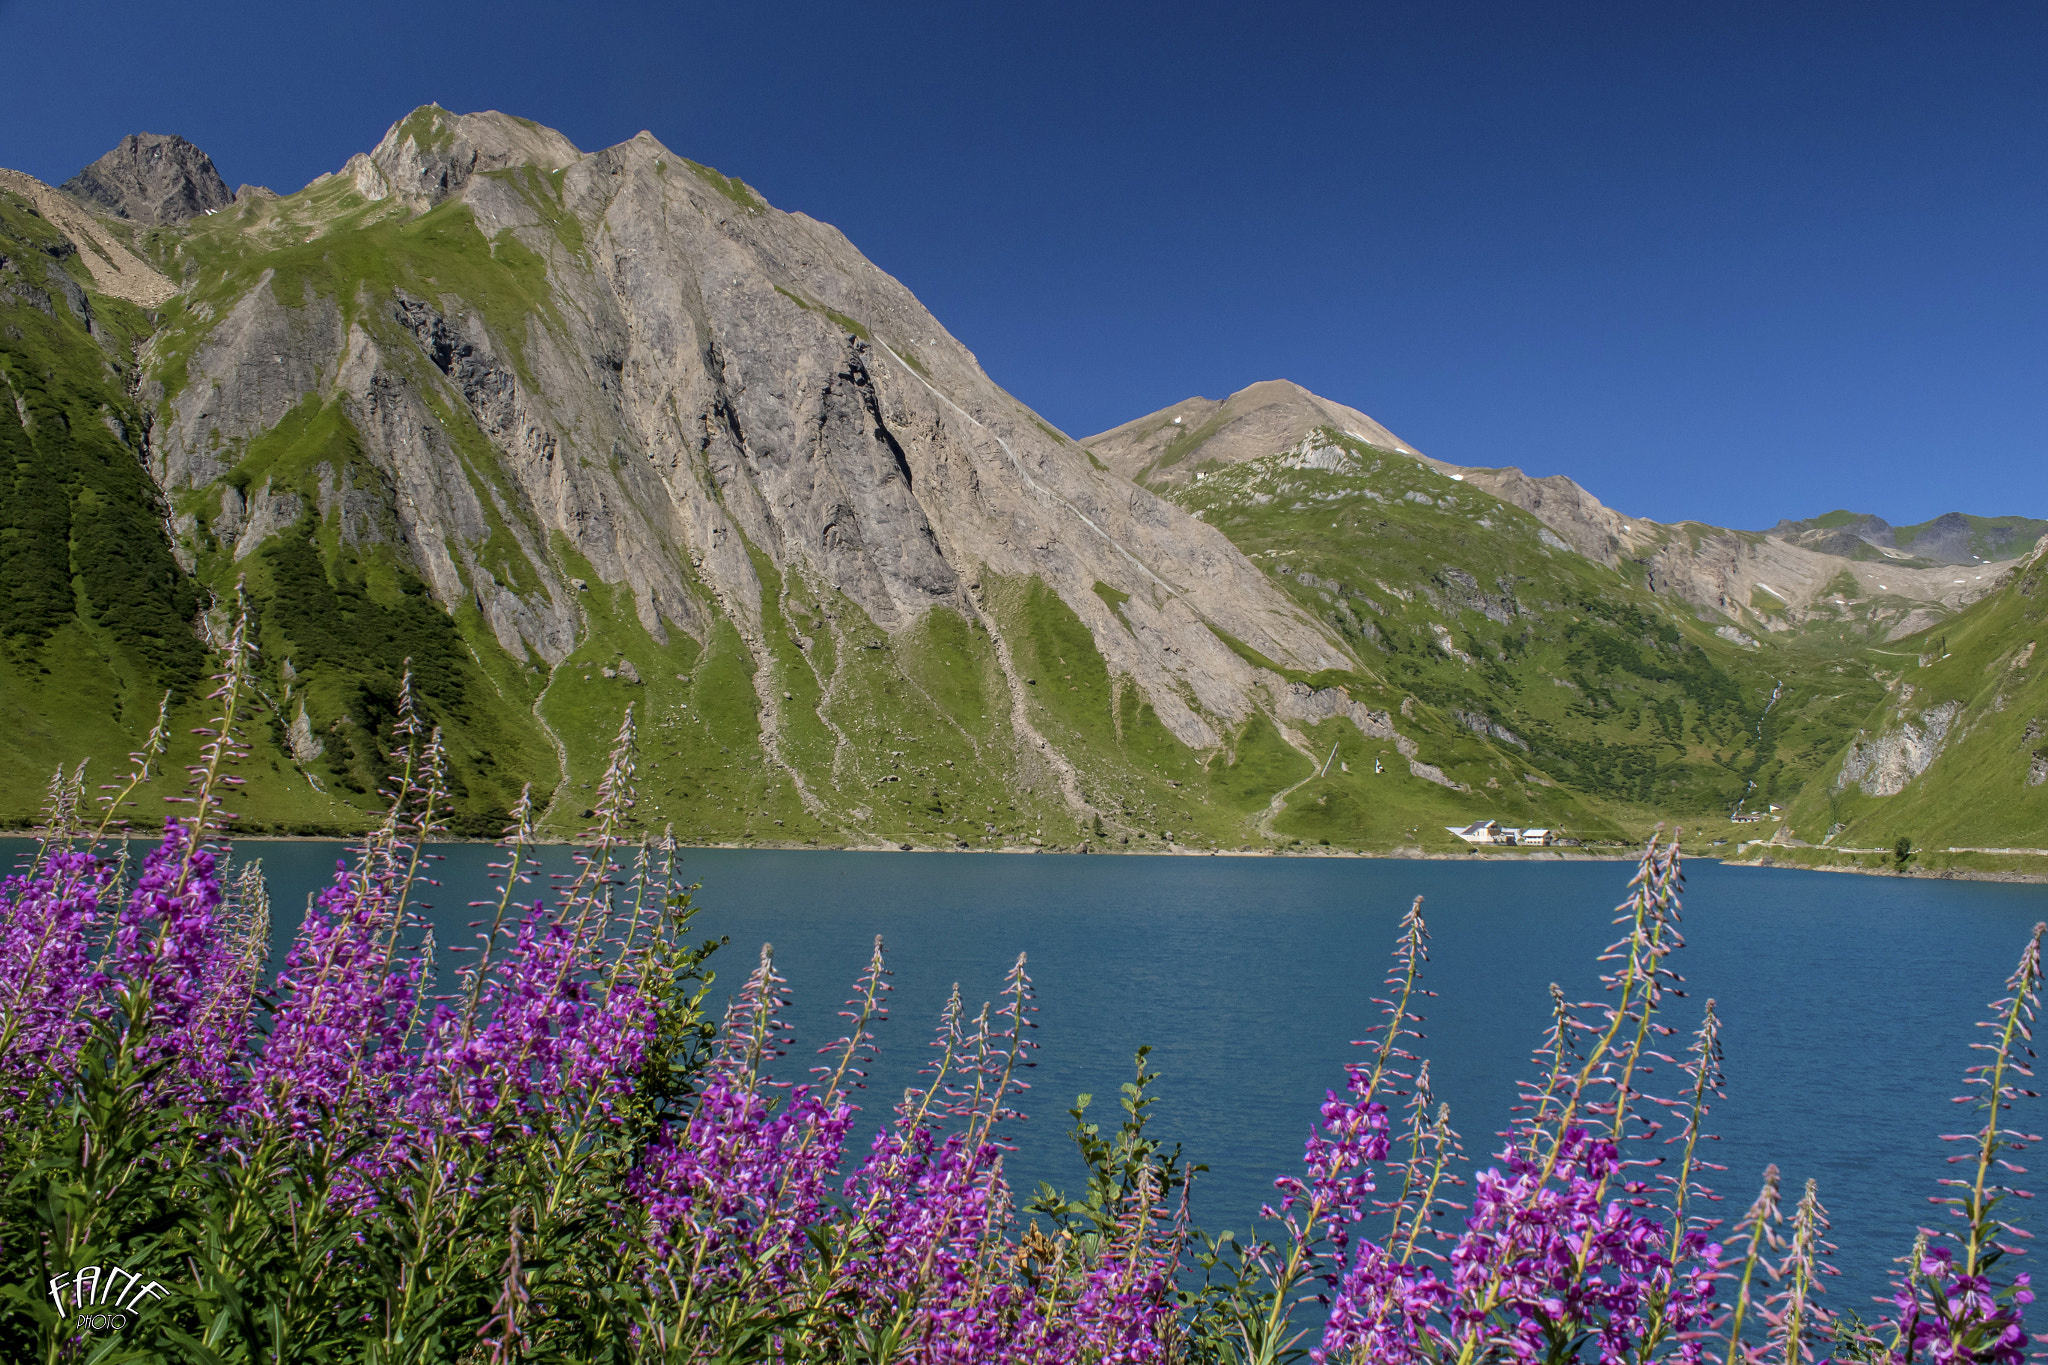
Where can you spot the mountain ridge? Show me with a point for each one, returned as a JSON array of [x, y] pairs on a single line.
[[481, 368], [563, 433], [1769, 581]]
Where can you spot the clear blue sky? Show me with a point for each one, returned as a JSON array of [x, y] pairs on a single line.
[[1729, 261]]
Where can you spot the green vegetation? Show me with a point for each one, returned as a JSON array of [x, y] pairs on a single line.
[[732, 188], [847, 324], [350, 628], [1057, 438], [1986, 786], [1555, 690], [428, 128], [97, 620]]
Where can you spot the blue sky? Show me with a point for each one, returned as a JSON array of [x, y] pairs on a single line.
[[1724, 261]]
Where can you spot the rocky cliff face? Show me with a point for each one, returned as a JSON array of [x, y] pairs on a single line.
[[1883, 764], [645, 438], [152, 179], [706, 381]]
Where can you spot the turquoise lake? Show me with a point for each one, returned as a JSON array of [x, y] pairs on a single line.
[[1848, 1002]]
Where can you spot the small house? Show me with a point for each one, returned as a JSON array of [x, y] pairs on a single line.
[[1535, 838]]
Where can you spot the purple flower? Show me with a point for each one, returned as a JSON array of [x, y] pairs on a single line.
[[49, 986]]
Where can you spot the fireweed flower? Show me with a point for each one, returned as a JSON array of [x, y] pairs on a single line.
[[501, 1138], [335, 1040], [173, 952], [49, 981], [1949, 1308]]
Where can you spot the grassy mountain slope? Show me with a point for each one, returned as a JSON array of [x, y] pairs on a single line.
[[1955, 756], [565, 434], [1558, 687]]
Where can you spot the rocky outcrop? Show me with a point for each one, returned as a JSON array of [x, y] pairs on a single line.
[[151, 179], [1488, 728], [704, 380], [1883, 766], [1581, 520], [432, 154]]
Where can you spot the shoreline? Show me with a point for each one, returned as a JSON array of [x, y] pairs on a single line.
[[1944, 874], [1407, 853]]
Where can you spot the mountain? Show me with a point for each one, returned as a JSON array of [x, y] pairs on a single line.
[[1467, 595], [1805, 576], [1160, 450], [1955, 757], [562, 434], [151, 179], [1676, 665], [569, 431]]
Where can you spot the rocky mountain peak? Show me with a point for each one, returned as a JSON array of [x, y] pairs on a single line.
[[431, 153], [153, 179], [1163, 449]]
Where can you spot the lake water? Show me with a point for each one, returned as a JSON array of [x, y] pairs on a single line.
[[1848, 1002]]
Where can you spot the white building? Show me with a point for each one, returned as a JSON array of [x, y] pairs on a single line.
[[1494, 832]]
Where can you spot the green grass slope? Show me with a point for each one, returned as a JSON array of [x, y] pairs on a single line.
[[1561, 690], [1984, 783]]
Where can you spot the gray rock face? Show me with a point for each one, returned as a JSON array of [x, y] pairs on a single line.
[[153, 179], [1883, 766], [1846, 538], [704, 379], [1946, 538]]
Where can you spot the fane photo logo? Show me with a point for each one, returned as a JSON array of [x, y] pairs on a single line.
[[90, 1290]]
